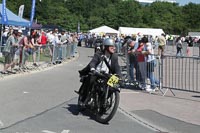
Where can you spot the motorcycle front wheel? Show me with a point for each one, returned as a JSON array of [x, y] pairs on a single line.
[[105, 114]]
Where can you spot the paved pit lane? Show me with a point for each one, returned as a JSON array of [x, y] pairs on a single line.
[[66, 118]]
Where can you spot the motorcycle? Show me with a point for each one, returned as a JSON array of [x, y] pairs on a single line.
[[103, 97]]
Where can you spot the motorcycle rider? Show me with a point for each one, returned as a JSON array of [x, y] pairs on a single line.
[[105, 60], [98, 44]]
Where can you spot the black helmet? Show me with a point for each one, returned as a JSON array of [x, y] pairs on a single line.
[[108, 42]]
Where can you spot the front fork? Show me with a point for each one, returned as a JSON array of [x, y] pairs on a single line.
[[101, 101], [105, 97]]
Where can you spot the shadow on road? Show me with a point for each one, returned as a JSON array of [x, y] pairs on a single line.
[[74, 109], [196, 96]]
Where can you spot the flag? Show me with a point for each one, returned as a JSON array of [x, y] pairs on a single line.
[[21, 11], [4, 14], [32, 13]]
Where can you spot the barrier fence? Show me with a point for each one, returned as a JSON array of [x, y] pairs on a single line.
[[196, 49], [180, 73], [48, 54]]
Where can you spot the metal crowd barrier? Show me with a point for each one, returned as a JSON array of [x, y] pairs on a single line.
[[196, 50], [49, 55], [140, 77], [180, 73]]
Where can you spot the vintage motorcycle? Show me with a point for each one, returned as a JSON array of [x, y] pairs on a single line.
[[103, 98]]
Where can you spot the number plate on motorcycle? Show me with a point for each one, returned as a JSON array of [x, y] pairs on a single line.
[[113, 80]]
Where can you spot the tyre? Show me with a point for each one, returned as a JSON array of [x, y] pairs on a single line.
[[81, 106], [105, 114]]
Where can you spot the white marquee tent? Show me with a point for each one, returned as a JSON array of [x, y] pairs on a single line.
[[144, 31], [105, 30]]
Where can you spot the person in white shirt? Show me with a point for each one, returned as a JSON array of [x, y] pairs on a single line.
[[151, 63]]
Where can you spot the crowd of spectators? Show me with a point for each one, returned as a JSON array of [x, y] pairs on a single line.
[[18, 46], [138, 48]]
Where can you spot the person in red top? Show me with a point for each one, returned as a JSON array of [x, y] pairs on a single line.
[[141, 58], [42, 41]]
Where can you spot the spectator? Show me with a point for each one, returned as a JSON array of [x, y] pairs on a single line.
[[24, 50], [141, 51], [132, 47], [18, 48], [42, 40], [98, 44], [9, 52], [5, 36], [50, 38], [74, 45], [64, 41], [179, 47], [190, 41], [151, 63], [118, 44], [57, 48], [35, 46], [161, 45]]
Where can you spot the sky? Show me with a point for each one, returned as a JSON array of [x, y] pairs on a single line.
[[183, 2]]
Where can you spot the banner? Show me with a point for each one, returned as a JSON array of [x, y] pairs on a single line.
[[4, 14], [21, 11], [32, 12]]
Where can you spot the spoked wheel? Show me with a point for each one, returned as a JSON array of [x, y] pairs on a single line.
[[106, 113]]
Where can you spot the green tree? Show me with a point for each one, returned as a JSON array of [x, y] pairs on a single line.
[[166, 16], [129, 14], [191, 16], [171, 17]]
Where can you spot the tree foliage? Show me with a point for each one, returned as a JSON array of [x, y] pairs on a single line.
[[171, 17]]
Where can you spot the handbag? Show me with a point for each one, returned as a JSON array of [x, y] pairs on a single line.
[[7, 47]]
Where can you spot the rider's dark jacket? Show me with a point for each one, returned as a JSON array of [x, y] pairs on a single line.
[[98, 57]]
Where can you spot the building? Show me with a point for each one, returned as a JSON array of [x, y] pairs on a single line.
[[147, 2], [194, 34]]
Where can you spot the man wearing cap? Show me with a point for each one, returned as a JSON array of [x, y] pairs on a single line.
[[132, 47], [9, 52]]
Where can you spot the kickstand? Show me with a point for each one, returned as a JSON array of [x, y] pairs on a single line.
[[76, 91]]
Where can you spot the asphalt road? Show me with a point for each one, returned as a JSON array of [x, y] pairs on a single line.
[[45, 102]]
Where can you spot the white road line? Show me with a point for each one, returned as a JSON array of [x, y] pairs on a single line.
[[65, 131], [25, 92], [1, 123], [46, 131]]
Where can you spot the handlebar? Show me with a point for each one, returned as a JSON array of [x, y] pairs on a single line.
[[103, 75], [99, 74]]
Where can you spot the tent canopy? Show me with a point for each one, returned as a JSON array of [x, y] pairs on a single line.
[[13, 19], [145, 31], [104, 29]]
